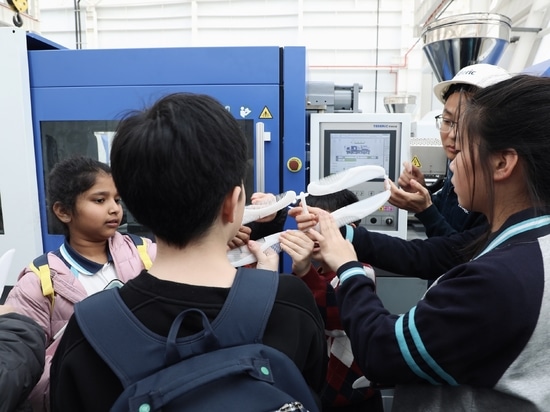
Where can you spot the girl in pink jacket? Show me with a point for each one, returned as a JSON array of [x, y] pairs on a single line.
[[85, 202]]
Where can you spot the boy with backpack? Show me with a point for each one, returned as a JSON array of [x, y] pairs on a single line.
[[215, 337]]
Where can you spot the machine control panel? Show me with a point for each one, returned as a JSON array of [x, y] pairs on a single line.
[[339, 141]]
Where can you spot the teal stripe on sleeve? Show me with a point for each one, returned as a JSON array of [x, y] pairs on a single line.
[[349, 233], [400, 335], [351, 272], [424, 353]]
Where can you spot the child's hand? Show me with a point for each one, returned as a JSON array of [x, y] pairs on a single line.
[[300, 248], [416, 200], [305, 221], [268, 260], [241, 238], [334, 249], [410, 172], [261, 197]]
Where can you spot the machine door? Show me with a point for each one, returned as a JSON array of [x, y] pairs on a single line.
[[79, 115], [63, 130]]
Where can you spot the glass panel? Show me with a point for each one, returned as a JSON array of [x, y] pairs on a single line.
[[247, 126], [63, 139]]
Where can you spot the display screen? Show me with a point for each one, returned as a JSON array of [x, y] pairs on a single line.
[[344, 149]]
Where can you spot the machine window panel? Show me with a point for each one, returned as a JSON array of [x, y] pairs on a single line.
[[63, 139]]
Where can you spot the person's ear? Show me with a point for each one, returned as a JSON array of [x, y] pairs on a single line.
[[230, 204], [61, 212], [505, 162]]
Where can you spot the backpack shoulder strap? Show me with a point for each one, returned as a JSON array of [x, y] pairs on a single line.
[[41, 268], [119, 337], [245, 313], [141, 246]]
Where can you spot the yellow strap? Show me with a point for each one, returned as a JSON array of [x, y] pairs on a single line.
[[43, 273], [144, 256]]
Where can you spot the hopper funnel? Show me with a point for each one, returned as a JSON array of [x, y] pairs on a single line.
[[454, 42], [400, 104]]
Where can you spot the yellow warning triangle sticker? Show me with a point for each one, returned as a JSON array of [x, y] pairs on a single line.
[[416, 162], [266, 114]]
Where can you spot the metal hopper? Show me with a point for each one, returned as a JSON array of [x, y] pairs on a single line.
[[454, 42], [400, 104]]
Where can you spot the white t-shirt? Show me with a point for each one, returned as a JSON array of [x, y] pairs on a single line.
[[93, 276]]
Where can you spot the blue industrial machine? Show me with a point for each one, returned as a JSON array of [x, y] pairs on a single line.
[[78, 96], [63, 102]]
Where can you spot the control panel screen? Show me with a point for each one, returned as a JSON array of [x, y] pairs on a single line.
[[341, 141], [345, 149], [364, 144]]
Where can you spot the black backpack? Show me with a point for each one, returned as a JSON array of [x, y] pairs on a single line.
[[225, 367]]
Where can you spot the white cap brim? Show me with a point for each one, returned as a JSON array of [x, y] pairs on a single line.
[[480, 75]]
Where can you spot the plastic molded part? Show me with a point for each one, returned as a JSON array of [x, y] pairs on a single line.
[[345, 179], [359, 210], [242, 256], [260, 210]]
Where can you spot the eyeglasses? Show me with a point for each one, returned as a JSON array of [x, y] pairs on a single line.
[[444, 125]]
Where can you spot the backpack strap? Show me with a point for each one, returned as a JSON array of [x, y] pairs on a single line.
[[141, 246], [120, 338], [41, 268], [253, 290]]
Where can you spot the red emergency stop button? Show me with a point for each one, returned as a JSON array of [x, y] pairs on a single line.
[[294, 164]]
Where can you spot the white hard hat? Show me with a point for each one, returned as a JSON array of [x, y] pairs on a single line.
[[480, 75]]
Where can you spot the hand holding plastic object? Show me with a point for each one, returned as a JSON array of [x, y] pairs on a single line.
[[330, 184], [242, 256], [263, 209]]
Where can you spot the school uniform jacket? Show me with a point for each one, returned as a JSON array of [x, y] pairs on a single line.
[[28, 298], [477, 341]]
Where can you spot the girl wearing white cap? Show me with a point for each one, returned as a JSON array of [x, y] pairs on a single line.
[[439, 212]]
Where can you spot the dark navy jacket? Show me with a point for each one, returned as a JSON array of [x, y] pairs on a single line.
[[444, 216], [478, 339]]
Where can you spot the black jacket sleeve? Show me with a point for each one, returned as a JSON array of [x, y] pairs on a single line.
[[22, 355], [434, 222], [263, 229], [422, 258]]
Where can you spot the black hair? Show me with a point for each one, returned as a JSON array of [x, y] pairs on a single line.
[[333, 201], [469, 89], [174, 163], [67, 180], [513, 114], [466, 92]]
